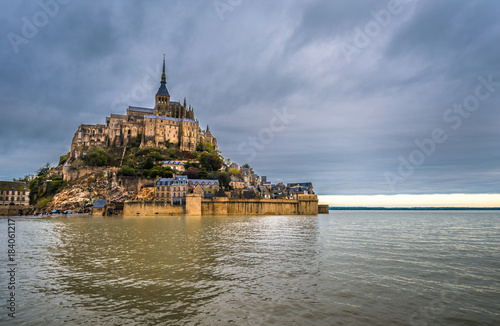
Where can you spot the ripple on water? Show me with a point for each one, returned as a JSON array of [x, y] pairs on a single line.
[[347, 268]]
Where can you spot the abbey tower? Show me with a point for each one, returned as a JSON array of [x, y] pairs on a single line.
[[168, 124]]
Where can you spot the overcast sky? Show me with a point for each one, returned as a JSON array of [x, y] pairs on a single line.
[[359, 97]]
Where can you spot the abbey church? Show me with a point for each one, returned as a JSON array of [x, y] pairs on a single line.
[[168, 124]]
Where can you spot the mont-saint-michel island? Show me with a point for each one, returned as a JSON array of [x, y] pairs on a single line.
[[152, 162], [231, 162]]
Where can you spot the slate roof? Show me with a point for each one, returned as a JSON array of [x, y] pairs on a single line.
[[138, 108], [173, 162], [179, 180], [14, 185], [167, 118], [163, 90], [100, 203], [207, 181]]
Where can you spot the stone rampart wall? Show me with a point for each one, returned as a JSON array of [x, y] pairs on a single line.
[[150, 208]]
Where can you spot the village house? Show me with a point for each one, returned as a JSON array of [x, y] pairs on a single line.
[[175, 189], [177, 166], [14, 193]]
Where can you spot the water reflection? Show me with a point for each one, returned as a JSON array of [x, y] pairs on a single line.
[[351, 268], [153, 270]]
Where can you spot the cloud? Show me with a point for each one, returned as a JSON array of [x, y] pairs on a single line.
[[352, 120]]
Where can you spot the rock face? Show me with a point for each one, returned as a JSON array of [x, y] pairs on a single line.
[[103, 184]]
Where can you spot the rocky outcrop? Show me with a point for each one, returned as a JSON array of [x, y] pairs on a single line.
[[82, 192]]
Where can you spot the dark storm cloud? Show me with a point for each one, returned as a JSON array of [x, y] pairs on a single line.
[[350, 117]]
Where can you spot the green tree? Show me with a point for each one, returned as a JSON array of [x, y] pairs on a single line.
[[98, 157], [127, 171], [148, 164], [156, 156], [224, 179], [205, 146], [63, 158], [135, 143], [43, 170], [210, 161], [234, 172], [192, 173]]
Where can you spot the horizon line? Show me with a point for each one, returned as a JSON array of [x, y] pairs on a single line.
[[457, 200]]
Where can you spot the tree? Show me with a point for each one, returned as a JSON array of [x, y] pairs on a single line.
[[63, 158], [234, 172], [135, 143], [148, 164], [224, 179], [126, 171], [156, 155], [247, 166], [205, 146], [162, 172], [210, 161], [27, 178], [43, 170], [98, 157], [192, 173]]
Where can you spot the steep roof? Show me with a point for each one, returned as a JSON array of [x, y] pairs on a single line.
[[163, 85]]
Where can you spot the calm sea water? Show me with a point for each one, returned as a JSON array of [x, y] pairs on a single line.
[[346, 268]]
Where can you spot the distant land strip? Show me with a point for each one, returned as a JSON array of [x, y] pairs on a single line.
[[415, 208]]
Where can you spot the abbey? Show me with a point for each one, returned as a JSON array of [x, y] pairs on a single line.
[[168, 124]]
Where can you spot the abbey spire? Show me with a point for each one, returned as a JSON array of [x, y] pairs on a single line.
[[162, 96]]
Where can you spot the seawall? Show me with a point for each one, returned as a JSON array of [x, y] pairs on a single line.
[[15, 210], [198, 206]]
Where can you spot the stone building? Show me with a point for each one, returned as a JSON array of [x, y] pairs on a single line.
[[175, 189], [14, 193], [177, 166], [168, 124]]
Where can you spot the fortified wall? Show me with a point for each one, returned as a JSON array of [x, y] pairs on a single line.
[[15, 210], [198, 206]]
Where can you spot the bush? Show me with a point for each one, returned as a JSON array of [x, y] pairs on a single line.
[[42, 203], [43, 170], [205, 146], [162, 172], [53, 187], [127, 171], [135, 143], [63, 158], [142, 152], [210, 161], [192, 173], [98, 157], [149, 164], [157, 156]]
